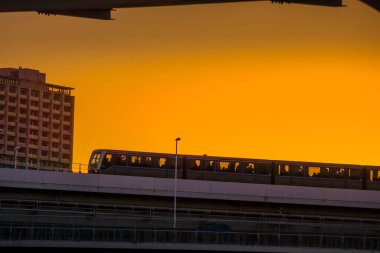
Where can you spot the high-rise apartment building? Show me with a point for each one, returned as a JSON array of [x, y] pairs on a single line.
[[36, 121]]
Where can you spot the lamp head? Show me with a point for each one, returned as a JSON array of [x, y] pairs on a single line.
[[177, 139]]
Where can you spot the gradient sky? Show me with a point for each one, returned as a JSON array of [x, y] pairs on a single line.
[[256, 80]]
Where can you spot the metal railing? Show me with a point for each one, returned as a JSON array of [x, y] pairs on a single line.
[[140, 236]]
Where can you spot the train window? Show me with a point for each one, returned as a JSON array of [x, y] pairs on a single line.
[[223, 165], [120, 160], [314, 171], [354, 174], [250, 168], [236, 167], [374, 175], [283, 170], [340, 173], [194, 164], [325, 172], [106, 161], [146, 161], [135, 160], [209, 165], [162, 162], [263, 169], [297, 171]]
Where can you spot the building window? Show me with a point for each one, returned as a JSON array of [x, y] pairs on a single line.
[[45, 134], [45, 144], [12, 89], [66, 146], [46, 95], [24, 91], [23, 101], [57, 97], [55, 135], [35, 93], [66, 137], [67, 109], [67, 99]]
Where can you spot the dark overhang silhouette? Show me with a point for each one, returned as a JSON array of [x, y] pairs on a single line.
[[101, 9]]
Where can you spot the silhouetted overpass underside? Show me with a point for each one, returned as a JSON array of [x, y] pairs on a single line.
[[101, 9]]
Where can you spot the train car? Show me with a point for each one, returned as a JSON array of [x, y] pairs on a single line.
[[244, 170]]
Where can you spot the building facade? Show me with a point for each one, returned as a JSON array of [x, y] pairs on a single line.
[[36, 121]]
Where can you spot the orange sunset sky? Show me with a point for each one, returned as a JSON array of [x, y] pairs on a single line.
[[251, 79]]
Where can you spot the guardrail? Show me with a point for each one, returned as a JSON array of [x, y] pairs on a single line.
[[140, 236]]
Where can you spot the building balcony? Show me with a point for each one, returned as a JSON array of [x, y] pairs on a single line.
[[23, 106], [23, 145], [12, 104], [33, 156], [2, 92], [33, 137], [37, 99], [11, 133], [46, 100], [56, 121], [11, 143], [33, 107], [22, 135], [12, 94], [33, 146], [55, 102], [54, 159], [45, 109], [67, 104], [45, 139], [54, 130], [66, 142], [45, 119], [67, 123], [21, 115], [34, 127], [45, 157], [66, 113], [65, 151], [13, 114], [33, 117], [23, 96], [11, 123], [55, 140], [65, 160], [2, 102]]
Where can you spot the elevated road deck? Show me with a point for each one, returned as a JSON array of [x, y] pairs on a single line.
[[193, 189]]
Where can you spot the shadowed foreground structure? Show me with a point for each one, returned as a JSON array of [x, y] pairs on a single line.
[[58, 209]]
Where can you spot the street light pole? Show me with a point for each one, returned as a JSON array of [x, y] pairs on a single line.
[[16, 153], [175, 182]]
